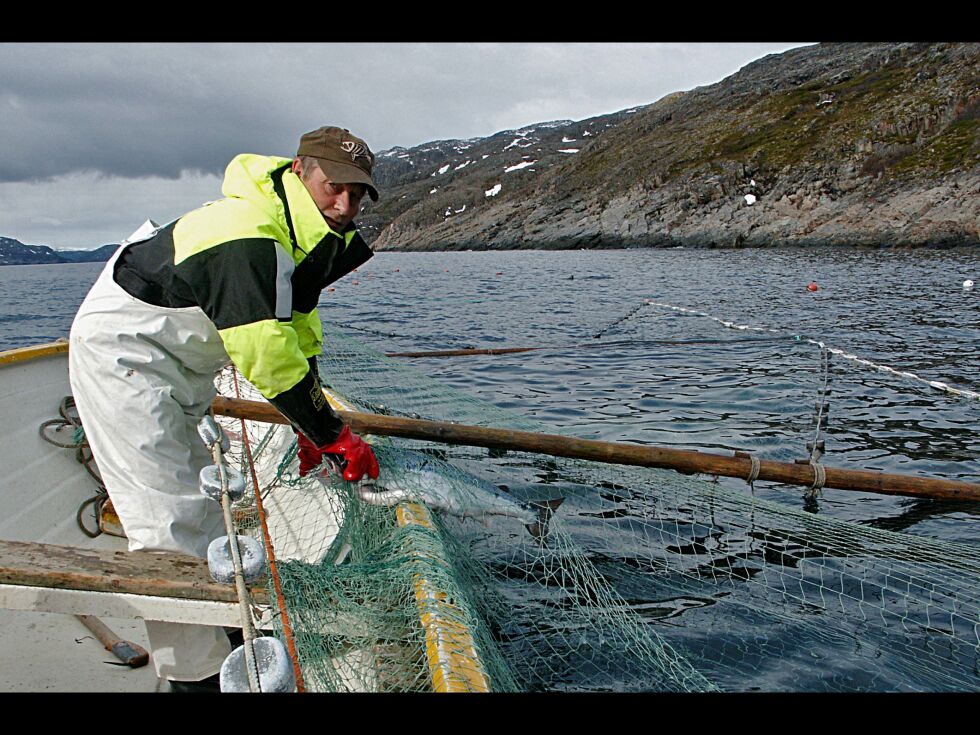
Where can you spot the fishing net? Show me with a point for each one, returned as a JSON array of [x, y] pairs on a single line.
[[645, 579]]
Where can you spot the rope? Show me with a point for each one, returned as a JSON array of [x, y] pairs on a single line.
[[754, 472], [816, 447], [723, 322], [83, 454], [287, 628], [245, 604], [80, 513], [478, 352], [507, 350], [936, 384], [618, 321], [819, 479]]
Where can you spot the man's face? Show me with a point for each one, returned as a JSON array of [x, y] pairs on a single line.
[[338, 203]]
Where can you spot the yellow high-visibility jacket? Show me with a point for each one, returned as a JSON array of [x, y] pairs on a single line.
[[255, 262]]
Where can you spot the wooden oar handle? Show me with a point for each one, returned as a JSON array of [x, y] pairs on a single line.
[[683, 460]]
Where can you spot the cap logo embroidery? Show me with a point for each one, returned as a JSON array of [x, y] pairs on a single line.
[[356, 150]]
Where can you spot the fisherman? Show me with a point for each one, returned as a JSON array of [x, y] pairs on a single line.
[[236, 281]]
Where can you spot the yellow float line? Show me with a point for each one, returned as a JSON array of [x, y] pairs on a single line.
[[454, 664], [23, 354]]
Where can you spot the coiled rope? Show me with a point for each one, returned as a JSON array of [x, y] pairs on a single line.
[[83, 454]]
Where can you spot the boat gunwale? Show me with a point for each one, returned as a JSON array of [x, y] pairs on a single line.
[[33, 352]]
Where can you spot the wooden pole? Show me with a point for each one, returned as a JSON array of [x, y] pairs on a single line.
[[587, 346], [465, 353], [687, 461]]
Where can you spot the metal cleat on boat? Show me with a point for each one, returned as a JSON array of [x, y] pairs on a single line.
[[210, 482], [274, 668], [222, 566]]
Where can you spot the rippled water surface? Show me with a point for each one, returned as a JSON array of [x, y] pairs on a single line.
[[661, 376], [610, 366]]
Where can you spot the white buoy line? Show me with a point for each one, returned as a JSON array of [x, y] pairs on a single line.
[[937, 384], [260, 664]]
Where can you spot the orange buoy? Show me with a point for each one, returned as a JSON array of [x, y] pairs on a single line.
[[398, 270], [500, 273], [331, 289], [353, 283], [812, 286]]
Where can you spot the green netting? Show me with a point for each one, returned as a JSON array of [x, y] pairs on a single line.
[[646, 581]]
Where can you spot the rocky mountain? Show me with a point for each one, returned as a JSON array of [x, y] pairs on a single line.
[[855, 143], [14, 252], [451, 176], [99, 255]]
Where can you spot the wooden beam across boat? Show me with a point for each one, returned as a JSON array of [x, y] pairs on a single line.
[[687, 461], [154, 586]]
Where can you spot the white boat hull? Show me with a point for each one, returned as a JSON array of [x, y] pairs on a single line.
[[42, 488]]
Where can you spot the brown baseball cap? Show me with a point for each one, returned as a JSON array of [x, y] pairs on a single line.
[[343, 158]]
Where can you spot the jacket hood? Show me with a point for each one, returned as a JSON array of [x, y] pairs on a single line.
[[249, 177]]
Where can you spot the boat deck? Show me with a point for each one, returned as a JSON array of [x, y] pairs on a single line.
[[55, 652], [50, 571]]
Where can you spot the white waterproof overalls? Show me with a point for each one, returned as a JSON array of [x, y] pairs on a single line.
[[142, 377]]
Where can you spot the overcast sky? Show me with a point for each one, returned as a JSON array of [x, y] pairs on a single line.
[[99, 137]]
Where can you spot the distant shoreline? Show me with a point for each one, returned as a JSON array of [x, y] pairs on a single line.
[[787, 246], [65, 262]]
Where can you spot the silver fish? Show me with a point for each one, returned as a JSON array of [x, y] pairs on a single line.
[[416, 477]]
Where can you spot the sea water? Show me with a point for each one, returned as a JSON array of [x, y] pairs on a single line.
[[631, 347], [618, 369]]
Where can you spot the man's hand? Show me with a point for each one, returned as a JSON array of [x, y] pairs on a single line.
[[352, 453]]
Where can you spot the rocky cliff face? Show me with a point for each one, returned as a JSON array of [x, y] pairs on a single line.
[[851, 144]]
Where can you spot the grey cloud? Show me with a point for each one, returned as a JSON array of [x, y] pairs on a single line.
[[123, 110], [83, 211], [159, 109], [98, 137]]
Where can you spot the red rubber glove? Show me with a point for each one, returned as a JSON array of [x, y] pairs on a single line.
[[352, 453]]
